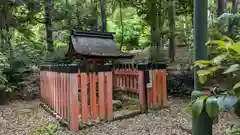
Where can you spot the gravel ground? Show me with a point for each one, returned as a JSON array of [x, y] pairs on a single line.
[[19, 117]]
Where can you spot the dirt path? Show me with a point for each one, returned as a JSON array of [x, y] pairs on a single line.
[[19, 117]]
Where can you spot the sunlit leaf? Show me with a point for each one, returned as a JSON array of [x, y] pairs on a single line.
[[202, 79], [232, 68], [197, 106], [217, 60], [229, 39], [212, 107], [237, 85], [202, 63], [220, 43], [236, 47]]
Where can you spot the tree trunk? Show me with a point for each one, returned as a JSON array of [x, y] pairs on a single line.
[[232, 22], [103, 15], [171, 17], [6, 27], [221, 5], [155, 22], [48, 5], [122, 26]]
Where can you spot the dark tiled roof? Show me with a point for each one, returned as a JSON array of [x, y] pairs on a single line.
[[95, 44]]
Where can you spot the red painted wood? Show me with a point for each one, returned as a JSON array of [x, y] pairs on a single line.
[[54, 90], [94, 97], [101, 91], [159, 88], [47, 92], [84, 97], [60, 94], [154, 88], [64, 97], [108, 100], [141, 91], [51, 91], [164, 83], [68, 96], [74, 103], [58, 84]]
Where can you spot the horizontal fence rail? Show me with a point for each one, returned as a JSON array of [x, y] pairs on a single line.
[[126, 79]]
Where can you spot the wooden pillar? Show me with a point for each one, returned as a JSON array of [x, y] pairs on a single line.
[[74, 102]]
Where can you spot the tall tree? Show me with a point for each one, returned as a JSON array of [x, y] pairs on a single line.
[[103, 15], [221, 5], [171, 19], [122, 26], [48, 5], [232, 21]]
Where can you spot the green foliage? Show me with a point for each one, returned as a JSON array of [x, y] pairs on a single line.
[[212, 107], [49, 129], [223, 70], [133, 31], [3, 80], [58, 56], [197, 106]]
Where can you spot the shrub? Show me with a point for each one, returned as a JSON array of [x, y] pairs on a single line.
[[3, 80], [223, 70], [49, 129]]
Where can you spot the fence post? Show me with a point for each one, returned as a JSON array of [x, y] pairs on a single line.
[[141, 87], [73, 102], [108, 100], [164, 88]]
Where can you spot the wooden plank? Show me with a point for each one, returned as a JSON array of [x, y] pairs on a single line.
[[64, 97], [54, 91], [49, 90], [109, 87], [48, 84], [164, 88], [141, 91], [61, 94], [159, 88], [120, 80], [68, 97], [135, 82], [91, 92], [101, 91], [58, 86], [127, 78], [154, 88], [131, 77], [94, 97], [149, 94], [73, 103], [84, 97]]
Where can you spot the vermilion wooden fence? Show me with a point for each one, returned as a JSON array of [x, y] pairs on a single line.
[[100, 105], [59, 90], [157, 95], [80, 97], [128, 79]]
